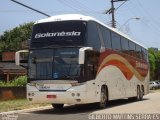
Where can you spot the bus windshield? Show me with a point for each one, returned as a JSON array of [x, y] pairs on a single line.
[[60, 33], [54, 64]]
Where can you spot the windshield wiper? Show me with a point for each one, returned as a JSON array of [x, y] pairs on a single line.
[[66, 76], [44, 76]]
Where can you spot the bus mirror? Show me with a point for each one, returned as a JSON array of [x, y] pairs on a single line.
[[28, 42], [17, 56], [82, 54]]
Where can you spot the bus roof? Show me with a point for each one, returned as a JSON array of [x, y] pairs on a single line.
[[66, 17]]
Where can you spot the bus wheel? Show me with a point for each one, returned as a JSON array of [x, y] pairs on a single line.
[[142, 89], [139, 94], [58, 106], [103, 98]]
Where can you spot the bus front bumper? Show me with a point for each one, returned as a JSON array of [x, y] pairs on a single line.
[[58, 97]]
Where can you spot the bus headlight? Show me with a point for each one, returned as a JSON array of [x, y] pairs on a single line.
[[75, 84], [73, 94], [78, 94], [29, 94], [32, 84]]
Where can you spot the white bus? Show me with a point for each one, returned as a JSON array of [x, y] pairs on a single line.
[[76, 59]]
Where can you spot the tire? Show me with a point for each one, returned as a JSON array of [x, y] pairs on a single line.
[[57, 106], [142, 90], [103, 98], [139, 94]]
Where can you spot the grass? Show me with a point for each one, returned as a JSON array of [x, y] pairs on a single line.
[[18, 104], [157, 90]]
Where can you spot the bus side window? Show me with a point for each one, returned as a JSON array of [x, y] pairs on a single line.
[[93, 39], [144, 54], [132, 49], [106, 36], [91, 65], [116, 43], [125, 47], [138, 51]]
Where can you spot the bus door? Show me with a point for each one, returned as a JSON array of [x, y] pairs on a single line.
[[90, 70]]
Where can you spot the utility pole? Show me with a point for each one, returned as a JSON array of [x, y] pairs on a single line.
[[112, 10]]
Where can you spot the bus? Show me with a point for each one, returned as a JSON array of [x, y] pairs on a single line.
[[76, 59]]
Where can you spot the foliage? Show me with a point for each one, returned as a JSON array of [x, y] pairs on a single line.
[[154, 60], [12, 40], [20, 81], [152, 65]]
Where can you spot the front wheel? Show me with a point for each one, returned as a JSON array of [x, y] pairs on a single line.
[[57, 106], [103, 98]]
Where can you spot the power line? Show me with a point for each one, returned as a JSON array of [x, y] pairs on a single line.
[[112, 10], [80, 7], [146, 15], [26, 11], [69, 5], [120, 6], [150, 16], [30, 8]]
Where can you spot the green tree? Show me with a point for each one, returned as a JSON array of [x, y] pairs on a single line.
[[152, 65], [154, 60], [12, 40]]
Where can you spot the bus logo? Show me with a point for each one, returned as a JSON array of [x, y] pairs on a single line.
[[57, 34]]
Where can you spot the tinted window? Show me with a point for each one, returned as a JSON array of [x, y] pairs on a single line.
[[91, 65], [144, 54], [106, 36], [124, 43], [93, 36], [132, 49], [116, 44], [131, 46], [40, 64], [61, 63], [61, 33], [138, 50]]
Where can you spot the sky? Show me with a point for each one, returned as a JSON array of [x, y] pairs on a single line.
[[145, 31]]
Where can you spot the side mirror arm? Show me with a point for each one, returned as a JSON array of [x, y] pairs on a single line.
[[17, 56]]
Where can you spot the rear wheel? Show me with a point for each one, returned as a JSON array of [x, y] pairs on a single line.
[[139, 93], [103, 98], [57, 106], [142, 92], [139, 96]]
